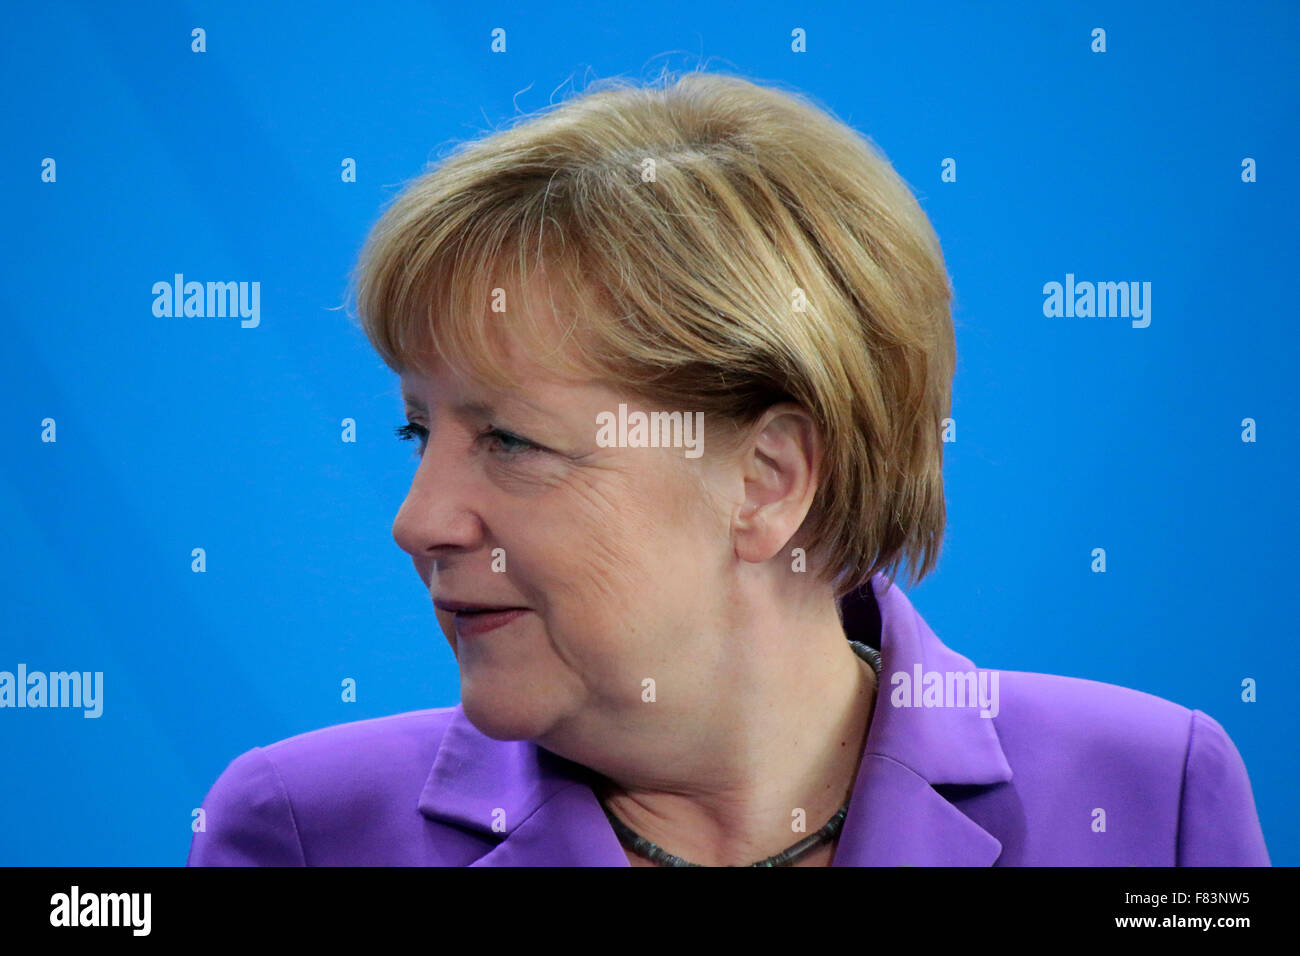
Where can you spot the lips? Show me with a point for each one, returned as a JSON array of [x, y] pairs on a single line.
[[470, 607], [472, 623]]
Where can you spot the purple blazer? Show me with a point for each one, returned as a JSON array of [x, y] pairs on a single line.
[[1068, 772]]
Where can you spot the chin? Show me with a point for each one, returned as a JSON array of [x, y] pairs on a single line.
[[506, 716]]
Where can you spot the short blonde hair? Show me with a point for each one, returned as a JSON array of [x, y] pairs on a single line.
[[688, 224]]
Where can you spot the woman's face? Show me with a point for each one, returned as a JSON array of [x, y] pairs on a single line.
[[615, 553]]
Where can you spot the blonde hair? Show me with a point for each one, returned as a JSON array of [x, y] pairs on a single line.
[[684, 223]]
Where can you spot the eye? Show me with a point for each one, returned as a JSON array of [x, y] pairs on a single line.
[[508, 443], [410, 432]]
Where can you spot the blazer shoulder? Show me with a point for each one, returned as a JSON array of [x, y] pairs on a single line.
[[265, 806], [1175, 763], [1094, 716], [1218, 823], [376, 744]]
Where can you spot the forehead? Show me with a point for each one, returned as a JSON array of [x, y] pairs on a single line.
[[532, 360], [543, 395]]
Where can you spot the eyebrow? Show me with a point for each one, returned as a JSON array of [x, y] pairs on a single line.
[[480, 408], [470, 409]]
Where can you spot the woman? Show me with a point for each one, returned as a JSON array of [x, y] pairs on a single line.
[[678, 362]]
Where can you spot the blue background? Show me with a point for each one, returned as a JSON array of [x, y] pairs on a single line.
[[176, 433]]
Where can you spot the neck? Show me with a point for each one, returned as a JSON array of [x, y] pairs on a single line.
[[758, 749]]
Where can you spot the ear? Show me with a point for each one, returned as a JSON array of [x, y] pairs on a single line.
[[782, 466]]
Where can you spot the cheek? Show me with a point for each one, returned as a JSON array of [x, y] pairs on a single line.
[[608, 532]]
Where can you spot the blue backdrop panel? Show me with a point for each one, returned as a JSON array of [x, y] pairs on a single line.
[[129, 158]]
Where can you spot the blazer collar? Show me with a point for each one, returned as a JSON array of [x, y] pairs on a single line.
[[546, 813]]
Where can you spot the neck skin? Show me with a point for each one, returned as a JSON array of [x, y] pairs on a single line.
[[778, 720]]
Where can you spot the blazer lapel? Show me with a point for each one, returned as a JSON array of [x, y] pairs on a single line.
[[567, 829], [541, 806], [896, 816]]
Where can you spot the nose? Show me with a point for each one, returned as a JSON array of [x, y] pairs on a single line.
[[439, 513]]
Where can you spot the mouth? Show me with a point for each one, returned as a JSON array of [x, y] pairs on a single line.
[[470, 607], [470, 623]]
